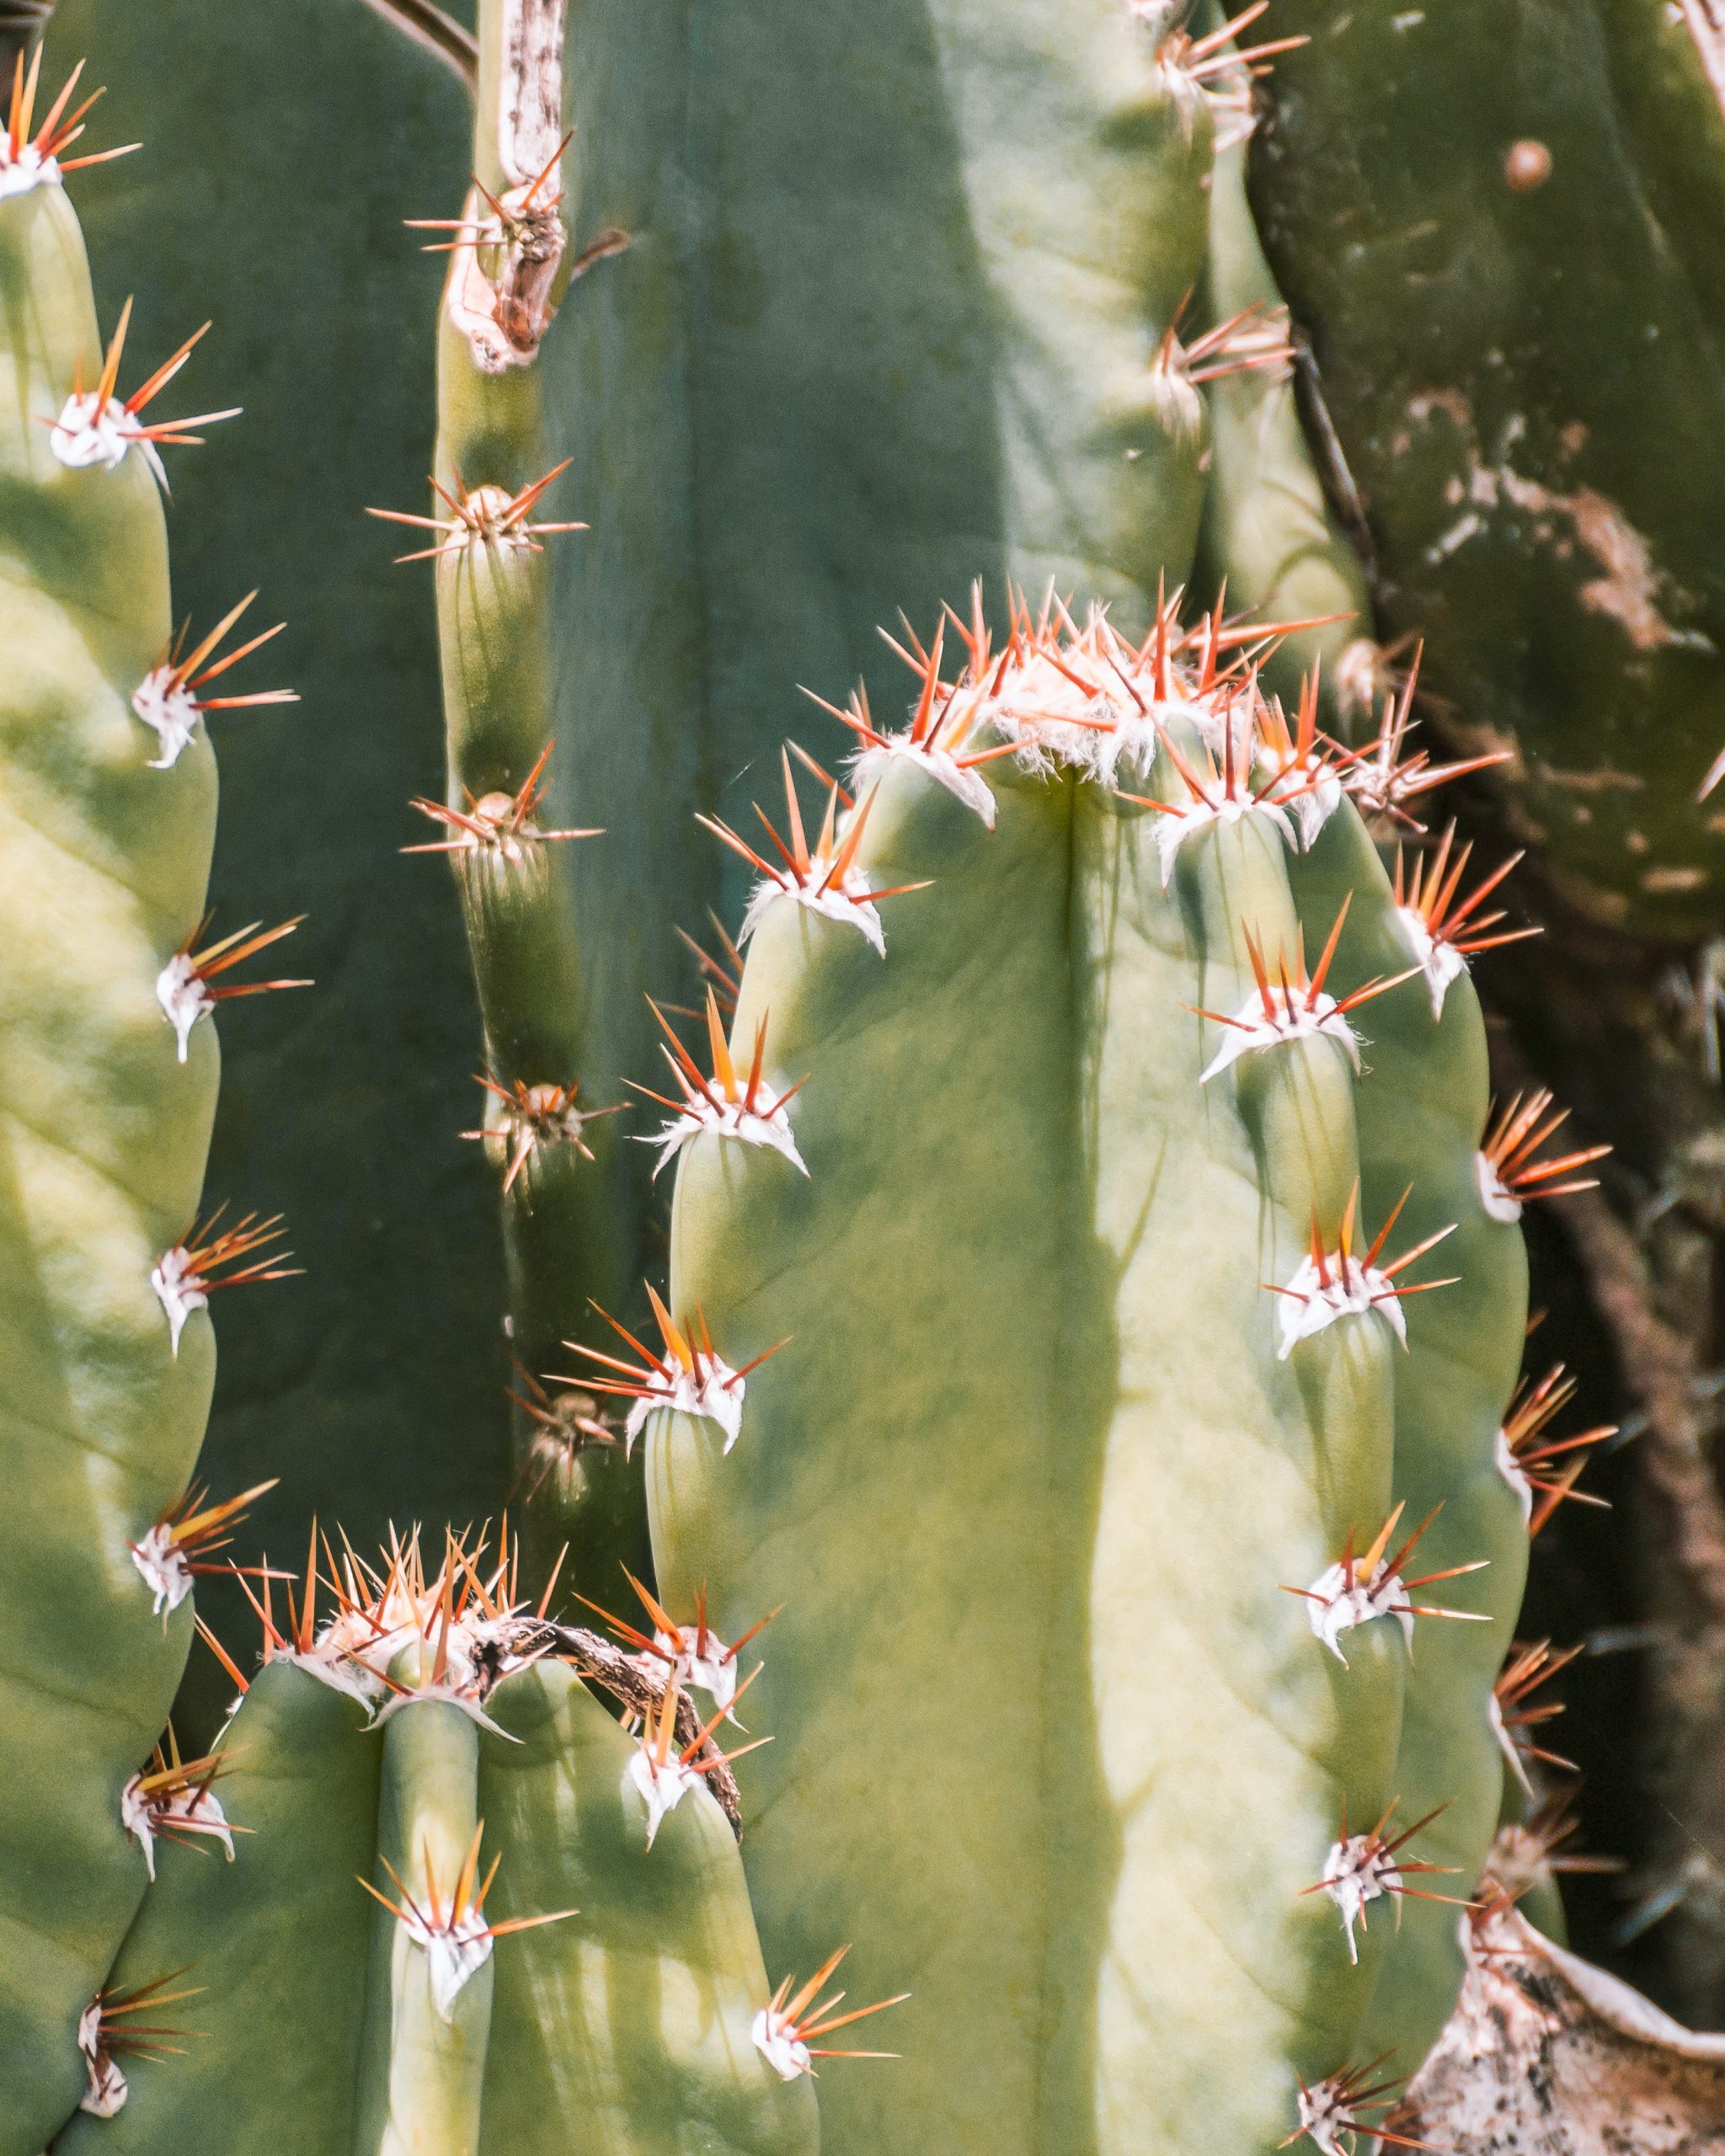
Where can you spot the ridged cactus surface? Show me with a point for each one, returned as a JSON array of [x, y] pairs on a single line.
[[1084, 1414], [105, 855], [542, 1961], [1095, 1289]]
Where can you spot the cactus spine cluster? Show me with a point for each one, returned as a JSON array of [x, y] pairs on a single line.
[[1095, 1297]]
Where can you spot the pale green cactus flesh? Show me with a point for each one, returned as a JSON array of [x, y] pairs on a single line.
[[1039, 1491], [103, 862]]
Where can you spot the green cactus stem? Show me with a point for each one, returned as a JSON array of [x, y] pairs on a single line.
[[1079, 1332], [1488, 232], [107, 812], [557, 1157], [557, 1928], [1422, 1116]]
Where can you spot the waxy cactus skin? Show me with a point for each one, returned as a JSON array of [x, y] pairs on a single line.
[[1095, 1294]]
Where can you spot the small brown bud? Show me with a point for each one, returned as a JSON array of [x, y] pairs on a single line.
[[1527, 165]]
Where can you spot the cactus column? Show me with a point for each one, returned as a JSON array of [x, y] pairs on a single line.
[[507, 270], [105, 847], [1069, 1470]]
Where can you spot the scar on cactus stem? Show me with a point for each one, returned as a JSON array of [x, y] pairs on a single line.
[[38, 160], [485, 516], [1296, 1006], [538, 1115], [167, 699], [785, 2028], [453, 1934], [1340, 2104], [1527, 1670], [96, 428], [184, 1539], [726, 1105], [1329, 1284], [174, 1800], [1445, 929], [184, 1276], [695, 1656], [498, 825], [106, 2035], [184, 986], [827, 881], [661, 1772], [1361, 1868], [1355, 1590], [1510, 1176], [1382, 781], [518, 219], [563, 1429], [691, 1377], [1524, 1454]]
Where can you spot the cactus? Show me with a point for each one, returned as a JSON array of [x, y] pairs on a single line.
[[1116, 1202], [1097, 1292], [538, 1945], [1522, 321]]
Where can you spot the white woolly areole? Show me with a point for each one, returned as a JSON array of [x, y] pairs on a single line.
[[1511, 1470], [184, 997], [715, 1397], [847, 901], [714, 1673], [139, 1820], [661, 1789], [1500, 1202], [1311, 1303], [89, 433], [1324, 2117], [170, 711], [732, 1120], [1357, 1871], [779, 2045], [29, 169], [1197, 816], [165, 1572], [1292, 1021], [107, 2091], [352, 1679], [192, 1811], [454, 1951], [1333, 1607], [179, 1291], [969, 786], [1440, 962], [1322, 797], [450, 1692]]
